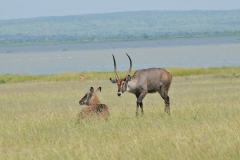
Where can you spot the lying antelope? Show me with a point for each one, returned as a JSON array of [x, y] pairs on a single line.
[[95, 108], [144, 81]]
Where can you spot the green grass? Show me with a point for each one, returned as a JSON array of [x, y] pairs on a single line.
[[217, 71], [12, 78], [37, 121]]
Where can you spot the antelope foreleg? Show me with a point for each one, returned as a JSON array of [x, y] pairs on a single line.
[[141, 106], [139, 103], [137, 109]]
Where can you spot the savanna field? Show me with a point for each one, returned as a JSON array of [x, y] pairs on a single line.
[[39, 113]]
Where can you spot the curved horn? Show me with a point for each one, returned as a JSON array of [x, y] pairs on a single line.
[[130, 68], [115, 68]]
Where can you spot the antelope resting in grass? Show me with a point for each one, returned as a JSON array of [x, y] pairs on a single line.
[[144, 81], [95, 108]]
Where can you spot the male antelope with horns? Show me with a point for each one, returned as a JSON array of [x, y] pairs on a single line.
[[144, 81]]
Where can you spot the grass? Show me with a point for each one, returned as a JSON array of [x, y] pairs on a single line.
[[12, 78], [37, 121]]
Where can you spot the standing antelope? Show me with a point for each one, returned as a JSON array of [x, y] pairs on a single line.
[[95, 108], [144, 81]]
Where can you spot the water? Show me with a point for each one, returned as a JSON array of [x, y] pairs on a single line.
[[52, 59]]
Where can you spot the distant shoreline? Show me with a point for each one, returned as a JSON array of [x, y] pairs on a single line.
[[120, 27], [121, 44]]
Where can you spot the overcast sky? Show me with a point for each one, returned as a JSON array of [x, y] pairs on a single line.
[[16, 9]]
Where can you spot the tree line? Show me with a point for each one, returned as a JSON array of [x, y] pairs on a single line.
[[123, 26]]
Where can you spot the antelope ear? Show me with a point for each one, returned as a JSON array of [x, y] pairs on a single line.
[[91, 89], [113, 80], [128, 78], [99, 89]]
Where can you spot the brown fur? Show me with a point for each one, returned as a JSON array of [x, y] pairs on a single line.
[[95, 110], [94, 106]]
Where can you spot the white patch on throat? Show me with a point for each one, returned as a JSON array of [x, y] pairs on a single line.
[[131, 86], [128, 88]]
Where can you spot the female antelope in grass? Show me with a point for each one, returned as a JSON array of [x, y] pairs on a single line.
[[95, 108]]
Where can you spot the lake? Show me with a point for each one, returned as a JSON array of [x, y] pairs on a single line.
[[181, 52]]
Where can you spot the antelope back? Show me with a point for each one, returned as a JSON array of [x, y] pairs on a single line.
[[91, 98]]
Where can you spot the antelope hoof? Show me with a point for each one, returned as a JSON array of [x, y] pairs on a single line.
[[167, 110]]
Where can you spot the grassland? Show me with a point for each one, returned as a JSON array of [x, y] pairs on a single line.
[[37, 121], [217, 72]]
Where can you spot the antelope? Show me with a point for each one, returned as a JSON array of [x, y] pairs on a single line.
[[95, 108], [144, 81], [81, 78]]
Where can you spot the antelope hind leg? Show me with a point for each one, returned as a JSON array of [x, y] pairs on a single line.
[[167, 104]]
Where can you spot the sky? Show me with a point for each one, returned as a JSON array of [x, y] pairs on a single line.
[[18, 9]]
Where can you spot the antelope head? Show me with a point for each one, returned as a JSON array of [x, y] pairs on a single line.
[[91, 98], [121, 82]]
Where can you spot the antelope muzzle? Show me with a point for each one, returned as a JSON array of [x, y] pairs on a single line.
[[119, 94], [81, 102]]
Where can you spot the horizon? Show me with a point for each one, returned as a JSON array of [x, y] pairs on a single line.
[[12, 9], [114, 13]]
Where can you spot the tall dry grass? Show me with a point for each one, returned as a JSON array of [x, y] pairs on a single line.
[[37, 121]]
